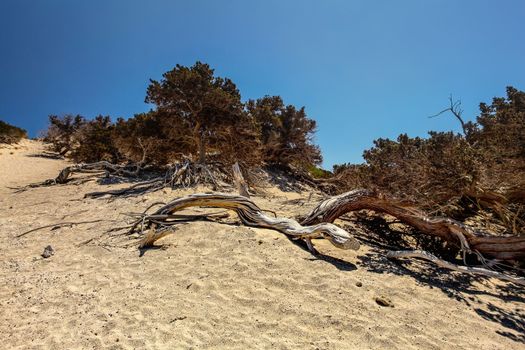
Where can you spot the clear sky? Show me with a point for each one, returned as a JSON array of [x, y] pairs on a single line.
[[363, 69]]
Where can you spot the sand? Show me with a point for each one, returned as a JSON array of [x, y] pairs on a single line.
[[211, 285]]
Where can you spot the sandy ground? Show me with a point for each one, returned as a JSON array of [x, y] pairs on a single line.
[[212, 285]]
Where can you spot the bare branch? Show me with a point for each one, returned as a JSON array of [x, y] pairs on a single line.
[[456, 110], [445, 264]]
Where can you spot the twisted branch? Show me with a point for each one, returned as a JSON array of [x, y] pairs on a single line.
[[249, 213], [452, 231]]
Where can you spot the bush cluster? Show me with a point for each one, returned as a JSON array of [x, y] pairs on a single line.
[[197, 116], [455, 174], [11, 134]]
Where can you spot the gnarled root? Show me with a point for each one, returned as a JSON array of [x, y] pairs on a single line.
[[156, 224], [94, 169]]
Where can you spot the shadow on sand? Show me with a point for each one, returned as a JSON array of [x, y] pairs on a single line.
[[455, 285]]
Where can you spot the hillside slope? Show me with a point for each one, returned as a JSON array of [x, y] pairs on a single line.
[[213, 285]]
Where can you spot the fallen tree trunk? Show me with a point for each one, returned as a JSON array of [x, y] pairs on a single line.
[[157, 224], [131, 170], [451, 231], [138, 188]]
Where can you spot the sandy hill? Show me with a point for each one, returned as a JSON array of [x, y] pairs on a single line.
[[212, 285]]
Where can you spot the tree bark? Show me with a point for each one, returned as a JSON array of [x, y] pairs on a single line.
[[240, 183]]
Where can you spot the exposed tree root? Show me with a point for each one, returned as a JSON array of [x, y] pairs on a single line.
[[157, 225], [58, 225], [445, 264], [454, 232], [97, 169], [136, 189], [184, 174]]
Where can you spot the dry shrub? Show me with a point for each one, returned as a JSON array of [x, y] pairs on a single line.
[[94, 141], [81, 139], [10, 133], [61, 130], [286, 133], [144, 138], [199, 118], [499, 135], [481, 173]]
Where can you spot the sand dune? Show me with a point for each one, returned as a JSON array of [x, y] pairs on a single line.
[[212, 285]]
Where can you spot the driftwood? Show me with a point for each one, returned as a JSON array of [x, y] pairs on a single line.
[[156, 225], [420, 254], [138, 188], [454, 232], [102, 167]]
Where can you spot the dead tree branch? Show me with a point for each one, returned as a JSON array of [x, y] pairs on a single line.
[[157, 225], [420, 254], [58, 225], [456, 110], [509, 248]]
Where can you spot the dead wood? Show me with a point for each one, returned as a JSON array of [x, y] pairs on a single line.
[[97, 169], [240, 183], [138, 188], [420, 254], [184, 174], [157, 225], [58, 225], [454, 232]]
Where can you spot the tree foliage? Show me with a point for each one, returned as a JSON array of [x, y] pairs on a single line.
[[499, 135], [205, 112], [452, 173], [286, 133], [198, 117], [94, 141], [61, 131]]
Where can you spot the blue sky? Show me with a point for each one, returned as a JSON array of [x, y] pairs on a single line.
[[363, 69]]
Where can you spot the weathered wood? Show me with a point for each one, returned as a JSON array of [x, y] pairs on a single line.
[[240, 183], [58, 225], [250, 215], [420, 254], [452, 231], [102, 166], [96, 169], [138, 188]]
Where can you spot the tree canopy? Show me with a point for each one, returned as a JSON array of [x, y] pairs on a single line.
[[197, 116], [206, 111]]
